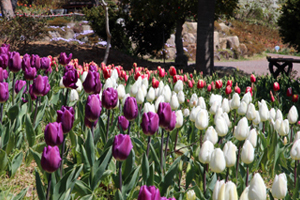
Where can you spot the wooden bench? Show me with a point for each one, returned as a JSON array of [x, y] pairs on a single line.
[[281, 65]]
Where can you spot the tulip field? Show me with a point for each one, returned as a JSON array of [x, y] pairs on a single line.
[[96, 131]]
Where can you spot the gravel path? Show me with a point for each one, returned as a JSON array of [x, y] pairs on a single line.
[[259, 67]]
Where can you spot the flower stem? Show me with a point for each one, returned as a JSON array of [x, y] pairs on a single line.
[[67, 94], [120, 175], [62, 157], [148, 145], [238, 162], [247, 177], [162, 150], [107, 124], [295, 173], [166, 148], [176, 140], [1, 113], [291, 138], [204, 177], [49, 186], [112, 118], [13, 89], [227, 174], [36, 108], [92, 130], [129, 126]]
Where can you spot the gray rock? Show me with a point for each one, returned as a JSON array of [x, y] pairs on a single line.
[[190, 27], [189, 38], [84, 39], [224, 27], [171, 53], [230, 42], [171, 41], [86, 27], [216, 40], [69, 34]]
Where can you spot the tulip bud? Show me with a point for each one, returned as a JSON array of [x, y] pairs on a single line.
[[201, 83], [226, 117], [181, 97], [242, 109], [263, 111], [253, 137], [241, 132], [256, 119], [219, 84], [205, 152], [121, 91], [257, 188], [70, 78], [93, 107], [178, 86], [276, 86], [149, 193], [228, 90], [150, 123], [201, 103], [167, 93], [66, 117], [295, 98], [123, 123], [209, 87], [193, 100], [293, 115], [63, 59], [54, 134], [251, 112], [211, 135], [14, 62], [179, 119], [226, 105], [249, 89], [174, 102], [194, 113], [214, 108], [297, 136], [237, 89], [289, 92], [215, 98], [284, 128], [150, 95], [272, 114], [165, 114], [4, 92], [279, 187], [19, 85], [186, 112], [285, 141], [50, 160], [201, 121], [252, 78], [244, 195], [235, 102], [40, 86], [172, 124], [278, 115], [272, 97], [217, 161], [130, 108], [230, 150], [121, 147], [190, 195], [228, 191], [295, 150], [217, 188], [140, 96], [247, 98], [172, 71], [110, 98], [247, 155], [221, 126]]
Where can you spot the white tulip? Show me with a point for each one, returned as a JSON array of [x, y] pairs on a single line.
[[121, 91], [228, 192], [217, 161], [100, 95], [134, 89], [117, 106], [272, 114], [190, 195], [245, 194], [178, 86], [201, 103], [247, 98], [214, 107], [295, 150], [114, 74], [144, 90], [205, 152], [257, 188], [211, 135], [150, 95], [186, 112], [79, 85], [217, 188], [252, 137], [218, 113], [256, 120], [221, 126], [215, 98], [61, 83], [167, 93], [241, 131], [250, 111], [193, 100], [83, 76], [108, 84], [194, 113], [226, 117], [179, 119], [148, 107], [284, 128], [235, 101], [263, 111], [73, 95], [297, 136], [242, 109], [174, 102], [181, 97], [225, 105], [247, 155], [160, 99], [229, 150], [201, 121], [278, 115], [293, 115], [140, 96], [124, 99], [161, 84], [277, 125], [279, 187], [157, 93], [145, 82]]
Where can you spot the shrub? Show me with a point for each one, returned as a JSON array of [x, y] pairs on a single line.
[[58, 21]]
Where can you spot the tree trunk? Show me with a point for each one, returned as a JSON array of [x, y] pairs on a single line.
[[6, 9], [95, 3], [107, 32], [205, 37], [181, 59]]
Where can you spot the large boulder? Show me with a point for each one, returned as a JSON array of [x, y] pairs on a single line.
[[188, 38], [216, 40], [189, 27], [230, 42]]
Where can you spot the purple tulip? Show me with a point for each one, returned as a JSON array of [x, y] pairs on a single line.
[[14, 62], [49, 70], [29, 73], [54, 134], [70, 78], [165, 198], [26, 61], [4, 61], [150, 123], [92, 67], [130, 108], [110, 98], [35, 61], [92, 83], [4, 49], [4, 93], [51, 159], [68, 67], [165, 113], [66, 117], [33, 96], [63, 59], [121, 147], [19, 85], [88, 123], [40, 86], [45, 63], [93, 107], [172, 122], [3, 74], [149, 193], [123, 123]]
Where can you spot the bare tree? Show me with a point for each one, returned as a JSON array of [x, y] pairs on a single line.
[[6, 9], [107, 32]]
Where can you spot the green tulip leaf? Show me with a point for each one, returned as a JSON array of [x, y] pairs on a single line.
[[150, 180], [155, 158], [145, 167], [118, 195], [29, 131], [82, 189], [37, 158], [130, 182], [90, 149], [39, 186], [16, 163], [129, 164], [13, 112], [21, 195], [4, 160], [190, 175], [87, 197]]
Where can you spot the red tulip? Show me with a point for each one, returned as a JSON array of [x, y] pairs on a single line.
[[237, 89], [272, 97], [228, 90], [107, 72], [136, 75], [295, 98], [191, 75], [229, 82], [172, 71], [161, 73], [209, 88], [276, 86], [289, 92], [155, 82], [185, 79], [201, 83], [252, 78], [249, 89], [190, 83]]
